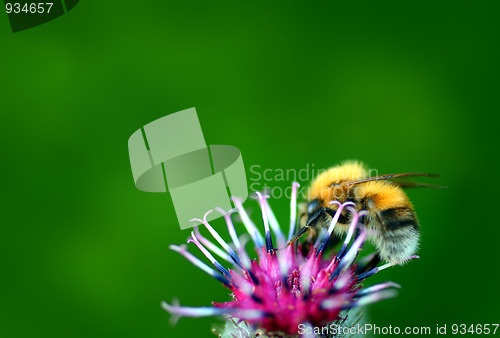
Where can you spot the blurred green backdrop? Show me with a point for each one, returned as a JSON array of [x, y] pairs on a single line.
[[403, 86]]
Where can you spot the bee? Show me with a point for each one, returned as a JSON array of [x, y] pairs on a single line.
[[391, 223]]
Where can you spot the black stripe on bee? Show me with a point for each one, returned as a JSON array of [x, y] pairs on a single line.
[[343, 219], [396, 218]]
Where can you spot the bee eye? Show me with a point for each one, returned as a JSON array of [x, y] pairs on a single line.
[[313, 206]]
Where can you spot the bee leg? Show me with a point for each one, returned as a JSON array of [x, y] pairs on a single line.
[[299, 234], [315, 217], [370, 265], [310, 223], [298, 222]]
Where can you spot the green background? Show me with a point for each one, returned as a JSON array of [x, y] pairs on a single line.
[[403, 86]]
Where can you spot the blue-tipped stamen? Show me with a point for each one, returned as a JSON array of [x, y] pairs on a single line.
[[355, 218], [211, 258], [351, 254], [383, 267], [219, 239], [178, 311], [333, 223], [211, 246], [371, 298], [181, 311], [367, 274], [263, 207], [321, 236], [376, 288], [199, 264], [293, 210], [241, 256], [249, 225], [280, 237]]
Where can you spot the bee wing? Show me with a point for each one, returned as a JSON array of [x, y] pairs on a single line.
[[412, 184], [387, 177]]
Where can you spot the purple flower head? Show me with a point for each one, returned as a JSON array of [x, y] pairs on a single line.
[[285, 287]]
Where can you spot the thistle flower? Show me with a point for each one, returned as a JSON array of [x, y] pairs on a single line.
[[284, 288]]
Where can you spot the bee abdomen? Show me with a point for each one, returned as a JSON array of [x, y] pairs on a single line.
[[399, 234], [397, 218]]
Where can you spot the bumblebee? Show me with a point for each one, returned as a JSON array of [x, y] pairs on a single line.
[[391, 223]]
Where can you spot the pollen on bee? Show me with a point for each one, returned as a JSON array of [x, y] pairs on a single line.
[[321, 187], [384, 195]]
